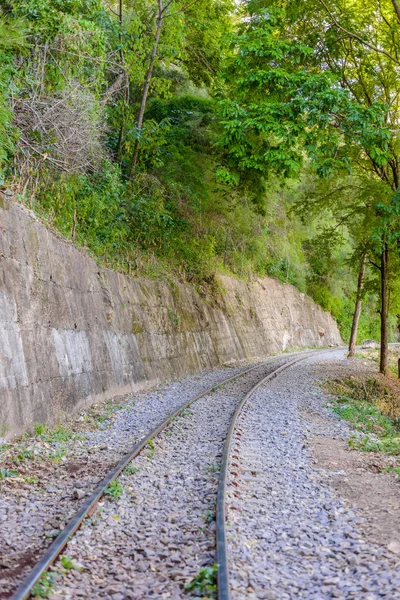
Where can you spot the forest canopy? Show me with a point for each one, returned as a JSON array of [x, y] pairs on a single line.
[[172, 138]]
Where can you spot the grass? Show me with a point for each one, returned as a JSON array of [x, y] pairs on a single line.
[[151, 448], [204, 584], [210, 515], [374, 355], [45, 586], [58, 434], [22, 455], [56, 456], [5, 473], [395, 470], [108, 412], [114, 490], [361, 404], [130, 469], [175, 320], [213, 468], [67, 562], [31, 479]]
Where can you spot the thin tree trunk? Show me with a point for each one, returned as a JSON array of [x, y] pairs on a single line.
[[121, 55], [146, 90], [357, 309], [383, 366], [396, 9]]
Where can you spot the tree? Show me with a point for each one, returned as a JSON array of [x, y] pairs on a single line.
[[196, 51], [357, 309], [317, 81], [161, 10]]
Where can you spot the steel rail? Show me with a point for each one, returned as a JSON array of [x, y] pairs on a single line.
[[224, 592], [24, 589]]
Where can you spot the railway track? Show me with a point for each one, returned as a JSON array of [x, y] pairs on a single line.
[[224, 589], [243, 385]]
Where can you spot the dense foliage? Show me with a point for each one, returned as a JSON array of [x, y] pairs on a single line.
[[172, 137]]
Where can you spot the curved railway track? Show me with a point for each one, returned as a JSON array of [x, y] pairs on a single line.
[[89, 506], [224, 591]]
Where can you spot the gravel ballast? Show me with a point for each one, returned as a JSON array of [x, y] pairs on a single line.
[[289, 536], [34, 508], [154, 539]]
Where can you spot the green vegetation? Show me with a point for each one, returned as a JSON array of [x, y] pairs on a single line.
[[66, 562], [5, 473], [131, 469], [214, 468], [395, 470], [373, 355], [22, 455], [151, 448], [54, 435], [182, 140], [211, 513], [31, 479], [114, 490], [364, 404], [45, 586], [205, 583]]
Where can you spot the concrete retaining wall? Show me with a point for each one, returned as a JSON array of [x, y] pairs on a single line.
[[72, 333]]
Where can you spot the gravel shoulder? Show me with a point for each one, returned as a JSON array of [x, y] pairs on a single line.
[[300, 524]]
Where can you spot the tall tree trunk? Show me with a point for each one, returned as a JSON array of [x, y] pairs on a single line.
[[383, 366], [146, 90], [357, 309]]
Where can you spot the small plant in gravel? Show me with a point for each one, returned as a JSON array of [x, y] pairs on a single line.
[[114, 490], [60, 433], [22, 455], [204, 584], [131, 469], [56, 456], [211, 512], [67, 562], [31, 479], [53, 534], [39, 429], [5, 473], [151, 448], [213, 468], [108, 412], [45, 586], [186, 412]]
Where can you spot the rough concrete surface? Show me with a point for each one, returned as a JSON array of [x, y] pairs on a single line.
[[72, 332]]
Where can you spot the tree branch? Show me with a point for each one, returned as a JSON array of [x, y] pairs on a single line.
[[371, 262], [357, 37], [396, 9]]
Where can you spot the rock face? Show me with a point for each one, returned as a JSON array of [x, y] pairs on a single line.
[[72, 332]]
